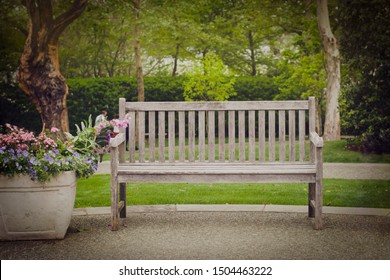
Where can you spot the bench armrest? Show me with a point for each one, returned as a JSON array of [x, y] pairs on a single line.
[[316, 140], [116, 141]]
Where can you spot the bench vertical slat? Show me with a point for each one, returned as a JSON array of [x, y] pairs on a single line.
[[221, 135], [132, 136], [241, 135], [141, 136], [232, 136], [252, 136], [271, 132], [262, 136], [211, 135], [312, 125], [182, 136], [282, 135], [291, 132], [161, 136], [122, 113], [202, 134], [302, 129], [191, 136], [152, 136], [171, 135]]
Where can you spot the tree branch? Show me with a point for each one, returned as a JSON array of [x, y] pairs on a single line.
[[63, 21], [45, 13], [33, 24]]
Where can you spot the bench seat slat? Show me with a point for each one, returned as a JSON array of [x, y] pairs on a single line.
[[217, 178], [220, 169]]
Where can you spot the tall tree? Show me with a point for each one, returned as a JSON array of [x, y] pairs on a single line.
[[137, 50], [332, 66], [39, 69]]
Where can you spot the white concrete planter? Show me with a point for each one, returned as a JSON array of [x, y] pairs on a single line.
[[32, 210]]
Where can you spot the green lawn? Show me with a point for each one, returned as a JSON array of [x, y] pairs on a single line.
[[95, 192]]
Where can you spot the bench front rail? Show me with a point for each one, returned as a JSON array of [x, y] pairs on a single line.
[[254, 141]]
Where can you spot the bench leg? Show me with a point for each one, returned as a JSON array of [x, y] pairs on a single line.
[[311, 198], [318, 205], [315, 203], [114, 203], [122, 197]]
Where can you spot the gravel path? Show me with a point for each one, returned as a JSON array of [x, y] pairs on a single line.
[[213, 235]]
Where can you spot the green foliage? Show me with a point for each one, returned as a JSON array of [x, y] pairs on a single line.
[[255, 88], [13, 22], [84, 140], [366, 80], [103, 36], [16, 108], [89, 96], [302, 79], [210, 81]]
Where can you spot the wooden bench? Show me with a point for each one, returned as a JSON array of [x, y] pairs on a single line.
[[272, 139]]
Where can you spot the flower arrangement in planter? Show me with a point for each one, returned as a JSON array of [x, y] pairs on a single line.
[[42, 157], [38, 177]]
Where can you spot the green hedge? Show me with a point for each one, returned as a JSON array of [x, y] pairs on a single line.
[[89, 96], [16, 108]]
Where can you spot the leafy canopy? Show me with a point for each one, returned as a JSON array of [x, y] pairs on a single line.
[[210, 81]]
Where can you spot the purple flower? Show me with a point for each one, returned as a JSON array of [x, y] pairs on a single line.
[[18, 166], [49, 159], [6, 160], [32, 171], [34, 162]]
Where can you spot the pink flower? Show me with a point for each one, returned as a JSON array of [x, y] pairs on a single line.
[[120, 123], [54, 130], [100, 127]]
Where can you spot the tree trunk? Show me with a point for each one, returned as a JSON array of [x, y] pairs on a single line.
[[330, 47], [253, 54], [176, 59], [319, 116], [39, 71], [137, 51]]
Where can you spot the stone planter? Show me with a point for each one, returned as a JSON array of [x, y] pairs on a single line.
[[32, 210]]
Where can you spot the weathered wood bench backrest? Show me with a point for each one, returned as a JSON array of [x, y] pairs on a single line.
[[211, 129]]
